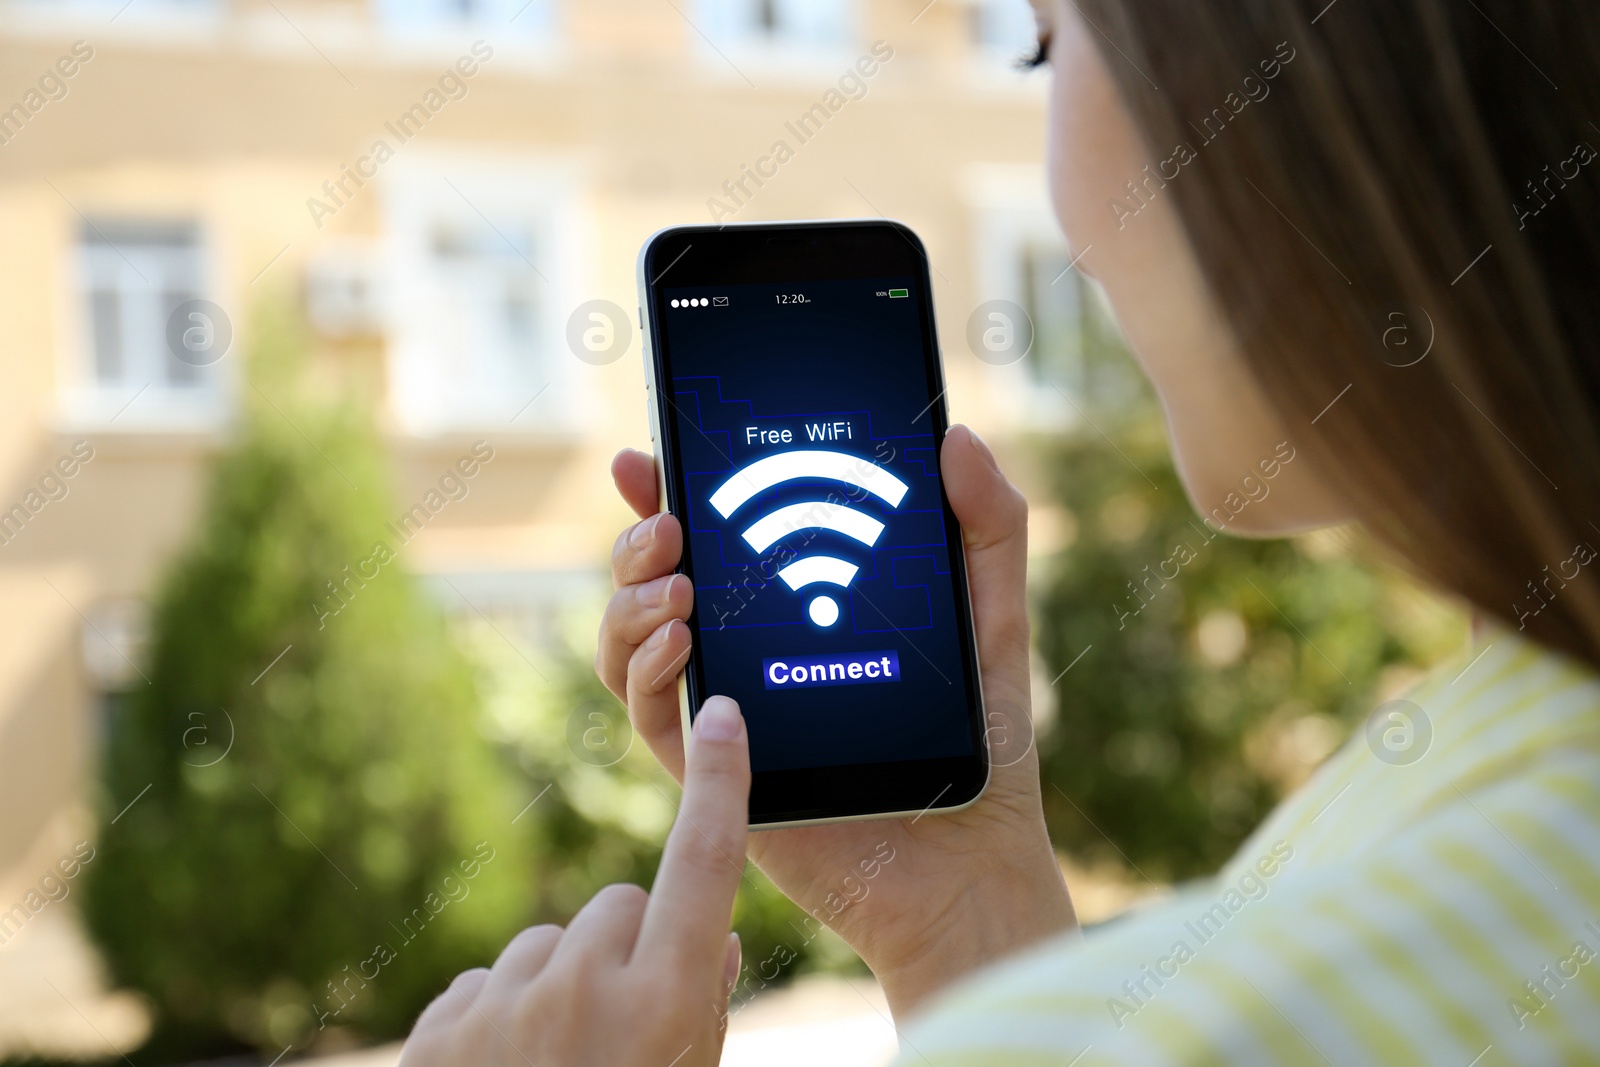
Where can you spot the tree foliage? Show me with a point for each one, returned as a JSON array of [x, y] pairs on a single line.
[[320, 832], [1219, 670]]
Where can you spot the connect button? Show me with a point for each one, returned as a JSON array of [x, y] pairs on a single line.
[[840, 668]]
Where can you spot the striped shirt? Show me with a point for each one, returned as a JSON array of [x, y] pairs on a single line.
[[1430, 896]]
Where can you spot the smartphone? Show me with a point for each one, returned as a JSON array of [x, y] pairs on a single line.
[[796, 403]]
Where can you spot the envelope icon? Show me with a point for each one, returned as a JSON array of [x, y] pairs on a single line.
[[719, 301]]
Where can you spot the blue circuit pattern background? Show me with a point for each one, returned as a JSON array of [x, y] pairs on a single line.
[[843, 370]]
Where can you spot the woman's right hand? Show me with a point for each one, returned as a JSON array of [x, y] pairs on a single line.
[[956, 891]]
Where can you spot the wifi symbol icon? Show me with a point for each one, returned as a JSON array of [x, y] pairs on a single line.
[[763, 533]]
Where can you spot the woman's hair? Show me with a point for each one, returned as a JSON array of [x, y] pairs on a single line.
[[1364, 181]]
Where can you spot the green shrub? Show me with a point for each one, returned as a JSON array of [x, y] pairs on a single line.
[[314, 879]]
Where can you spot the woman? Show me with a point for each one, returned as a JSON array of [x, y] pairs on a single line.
[[1268, 191]]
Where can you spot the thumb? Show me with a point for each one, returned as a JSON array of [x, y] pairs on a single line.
[[994, 526]]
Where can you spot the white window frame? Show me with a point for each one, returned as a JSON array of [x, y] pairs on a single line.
[[819, 31], [108, 254], [437, 383]]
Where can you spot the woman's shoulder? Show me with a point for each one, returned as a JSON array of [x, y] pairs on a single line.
[[1505, 711], [1412, 910]]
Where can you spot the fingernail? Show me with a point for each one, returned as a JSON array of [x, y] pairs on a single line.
[[983, 450], [645, 532], [730, 966], [659, 638], [719, 720], [655, 594]]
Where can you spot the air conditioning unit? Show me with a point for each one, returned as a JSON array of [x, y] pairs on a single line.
[[346, 291]]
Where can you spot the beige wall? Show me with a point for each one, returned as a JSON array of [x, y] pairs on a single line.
[[236, 121]]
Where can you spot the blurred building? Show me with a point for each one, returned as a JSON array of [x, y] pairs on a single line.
[[440, 184]]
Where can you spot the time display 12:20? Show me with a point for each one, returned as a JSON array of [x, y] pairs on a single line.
[[791, 298]]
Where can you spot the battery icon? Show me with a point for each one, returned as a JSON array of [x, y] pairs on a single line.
[[895, 294]]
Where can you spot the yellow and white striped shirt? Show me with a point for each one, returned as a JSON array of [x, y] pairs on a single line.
[[1422, 900]]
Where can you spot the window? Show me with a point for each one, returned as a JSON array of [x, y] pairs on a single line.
[[1076, 343], [488, 287], [135, 276], [1065, 310], [479, 312], [1003, 30], [796, 26], [1076, 352], [153, 9], [186, 18], [504, 16]]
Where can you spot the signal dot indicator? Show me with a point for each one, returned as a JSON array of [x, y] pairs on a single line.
[[824, 611]]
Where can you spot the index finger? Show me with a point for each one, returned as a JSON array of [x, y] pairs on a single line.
[[686, 921]]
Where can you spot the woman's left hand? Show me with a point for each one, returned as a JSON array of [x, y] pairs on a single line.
[[636, 977]]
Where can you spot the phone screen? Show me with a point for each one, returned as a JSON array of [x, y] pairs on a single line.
[[804, 416]]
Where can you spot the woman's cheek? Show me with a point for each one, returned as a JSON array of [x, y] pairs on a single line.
[[1094, 147]]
